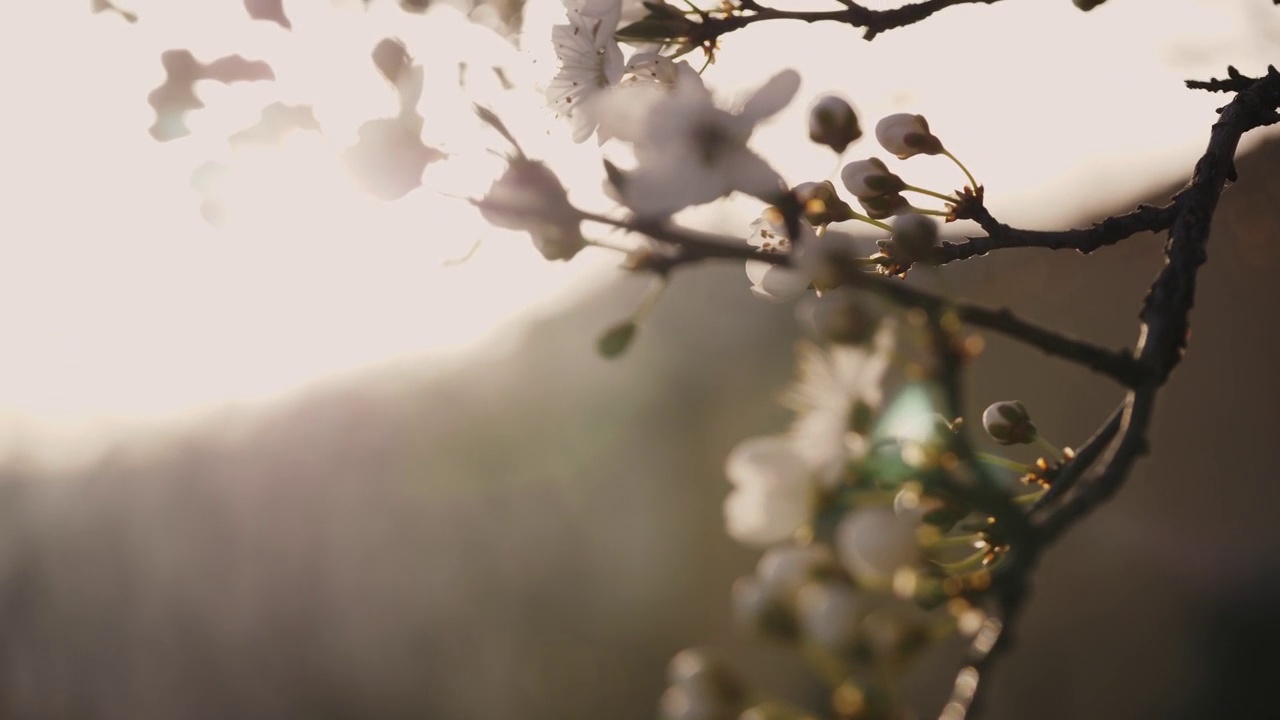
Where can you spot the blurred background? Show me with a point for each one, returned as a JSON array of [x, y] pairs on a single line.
[[267, 452]]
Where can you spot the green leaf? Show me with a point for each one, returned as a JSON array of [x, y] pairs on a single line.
[[616, 339]]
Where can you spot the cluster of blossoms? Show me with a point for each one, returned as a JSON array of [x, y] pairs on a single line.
[[870, 557], [687, 149], [872, 549]]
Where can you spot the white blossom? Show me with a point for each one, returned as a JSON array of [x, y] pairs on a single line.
[[689, 151], [784, 569], [590, 61], [772, 282], [652, 69], [836, 385], [829, 614], [874, 542], [773, 493]]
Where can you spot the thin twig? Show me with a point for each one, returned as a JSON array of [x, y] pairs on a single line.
[[1146, 218], [854, 14]]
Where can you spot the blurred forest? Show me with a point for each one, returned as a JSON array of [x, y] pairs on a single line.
[[533, 533]]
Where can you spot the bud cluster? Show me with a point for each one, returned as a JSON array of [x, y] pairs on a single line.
[[870, 556]]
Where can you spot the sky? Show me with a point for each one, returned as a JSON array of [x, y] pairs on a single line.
[[122, 310]]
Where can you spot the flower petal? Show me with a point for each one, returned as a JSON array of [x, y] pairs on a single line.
[[772, 96], [749, 173], [774, 283]]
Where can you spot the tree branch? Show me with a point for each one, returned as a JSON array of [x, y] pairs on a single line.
[[1162, 340], [854, 14], [1146, 218], [694, 246]]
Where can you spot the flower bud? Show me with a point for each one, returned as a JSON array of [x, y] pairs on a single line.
[[833, 123], [880, 207], [663, 24], [905, 135], [914, 236], [1009, 423], [874, 542], [870, 178], [820, 203]]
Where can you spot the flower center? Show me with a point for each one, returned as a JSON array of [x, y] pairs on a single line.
[[713, 140]]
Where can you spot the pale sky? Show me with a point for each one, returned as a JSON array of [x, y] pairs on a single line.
[[121, 308]]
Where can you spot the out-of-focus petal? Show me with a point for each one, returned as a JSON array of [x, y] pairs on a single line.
[[772, 96]]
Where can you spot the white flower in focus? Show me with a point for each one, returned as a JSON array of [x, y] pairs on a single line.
[[774, 282], [905, 135], [690, 152], [874, 542], [772, 495], [837, 391], [529, 197], [590, 61]]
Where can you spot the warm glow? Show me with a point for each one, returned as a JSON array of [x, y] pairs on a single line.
[[118, 302]]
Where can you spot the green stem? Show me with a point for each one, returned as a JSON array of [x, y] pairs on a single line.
[[972, 183], [1004, 462], [882, 225], [925, 191], [927, 211], [963, 564], [1055, 452], [1030, 497], [650, 300], [958, 540]]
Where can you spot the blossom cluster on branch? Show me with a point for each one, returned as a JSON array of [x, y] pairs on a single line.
[[883, 528]]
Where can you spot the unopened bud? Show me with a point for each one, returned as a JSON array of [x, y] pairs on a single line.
[[870, 178], [905, 135], [914, 237], [663, 24], [820, 203], [884, 206], [1009, 423], [833, 123]]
